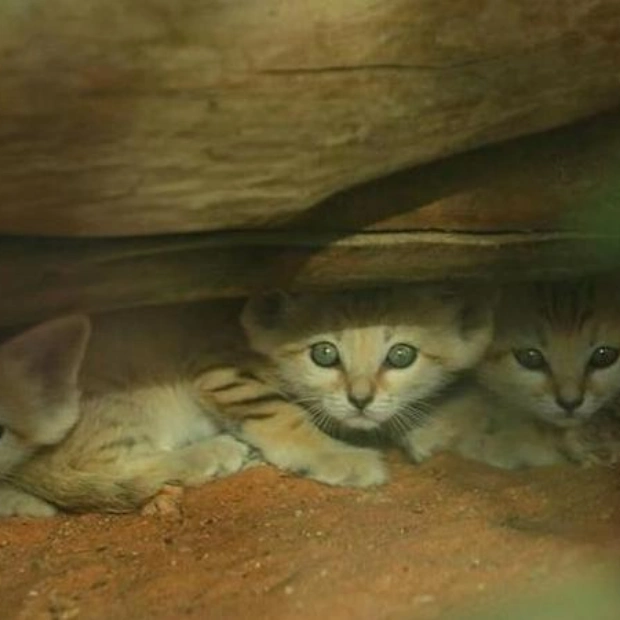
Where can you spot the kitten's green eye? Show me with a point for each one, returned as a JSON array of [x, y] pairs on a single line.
[[603, 357], [401, 356], [325, 354], [532, 359]]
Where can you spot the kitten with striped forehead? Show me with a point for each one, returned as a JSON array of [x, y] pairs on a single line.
[[372, 360], [555, 353], [360, 366], [545, 389]]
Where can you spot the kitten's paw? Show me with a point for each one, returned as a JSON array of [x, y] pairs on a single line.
[[17, 503], [587, 455], [221, 456], [594, 444], [167, 503], [423, 442], [348, 467], [420, 451]]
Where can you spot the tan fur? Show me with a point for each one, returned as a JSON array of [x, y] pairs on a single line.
[[276, 398], [283, 432], [141, 424], [512, 416], [156, 395], [39, 400], [474, 426], [566, 322]]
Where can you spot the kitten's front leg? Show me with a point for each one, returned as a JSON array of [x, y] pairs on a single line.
[[423, 442], [453, 421], [284, 435], [595, 443], [293, 443], [18, 503]]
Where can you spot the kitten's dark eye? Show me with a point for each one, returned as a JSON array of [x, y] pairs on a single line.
[[325, 354], [532, 359], [401, 356], [603, 357]]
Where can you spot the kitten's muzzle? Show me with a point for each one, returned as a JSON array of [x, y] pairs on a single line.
[[570, 405], [360, 402]]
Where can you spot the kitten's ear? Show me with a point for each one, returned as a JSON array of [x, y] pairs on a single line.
[[264, 319], [476, 321], [477, 311], [267, 311], [474, 304], [51, 353], [38, 378]]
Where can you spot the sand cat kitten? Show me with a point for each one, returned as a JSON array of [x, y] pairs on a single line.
[[140, 423], [544, 384], [361, 367], [356, 363], [39, 399]]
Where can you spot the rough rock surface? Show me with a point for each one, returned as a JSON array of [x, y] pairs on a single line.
[[145, 116]]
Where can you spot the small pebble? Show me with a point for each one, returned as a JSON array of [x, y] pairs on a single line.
[[424, 599]]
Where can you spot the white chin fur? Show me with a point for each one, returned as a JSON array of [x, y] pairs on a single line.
[[360, 421], [563, 421], [568, 422]]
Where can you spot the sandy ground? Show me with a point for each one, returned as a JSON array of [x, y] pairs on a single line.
[[444, 538]]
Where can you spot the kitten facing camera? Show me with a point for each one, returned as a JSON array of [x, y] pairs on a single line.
[[547, 389], [338, 371], [555, 355], [371, 361]]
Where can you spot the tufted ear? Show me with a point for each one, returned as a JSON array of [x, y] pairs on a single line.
[[477, 311], [474, 304], [267, 311], [38, 378], [265, 319]]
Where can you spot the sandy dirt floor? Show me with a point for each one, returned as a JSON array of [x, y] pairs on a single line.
[[444, 538]]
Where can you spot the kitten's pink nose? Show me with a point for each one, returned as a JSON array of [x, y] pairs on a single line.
[[360, 402], [569, 405]]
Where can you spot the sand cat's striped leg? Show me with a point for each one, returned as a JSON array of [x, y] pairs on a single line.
[[284, 434]]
